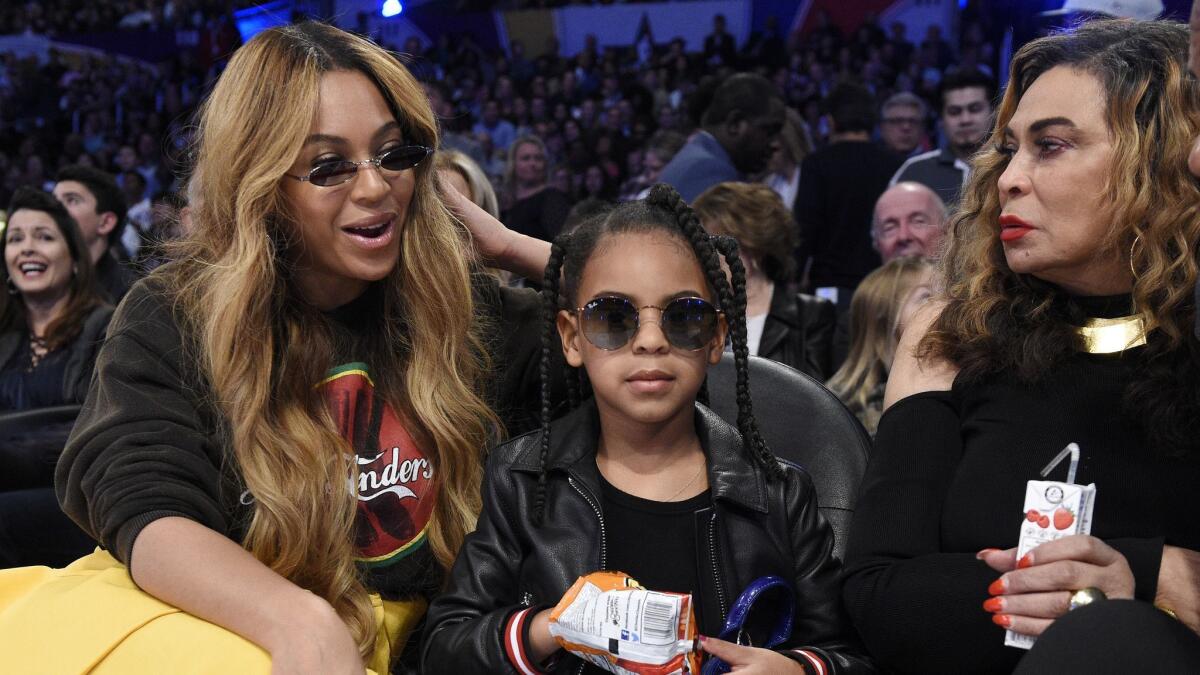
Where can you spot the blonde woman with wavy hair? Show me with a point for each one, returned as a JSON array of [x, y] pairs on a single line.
[[883, 303], [1067, 319], [282, 446]]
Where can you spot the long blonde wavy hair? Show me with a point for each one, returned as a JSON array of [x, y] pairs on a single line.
[[263, 350], [997, 320], [874, 315]]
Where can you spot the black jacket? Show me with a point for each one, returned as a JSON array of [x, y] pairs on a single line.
[[754, 528], [799, 332], [82, 352]]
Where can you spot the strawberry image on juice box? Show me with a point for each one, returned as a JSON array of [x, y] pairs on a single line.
[[1053, 510]]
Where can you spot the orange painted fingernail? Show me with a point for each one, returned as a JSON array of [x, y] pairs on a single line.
[[1025, 561], [997, 587], [1002, 620], [993, 604]]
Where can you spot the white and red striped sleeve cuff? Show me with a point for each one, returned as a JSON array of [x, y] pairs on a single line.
[[814, 663], [514, 643]]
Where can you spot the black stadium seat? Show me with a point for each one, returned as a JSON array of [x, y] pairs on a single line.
[[804, 423], [21, 423]]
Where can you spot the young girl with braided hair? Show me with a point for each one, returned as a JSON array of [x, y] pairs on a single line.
[[641, 477]]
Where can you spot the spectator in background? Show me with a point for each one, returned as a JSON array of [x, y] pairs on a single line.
[[910, 219], [720, 49], [532, 207], [902, 124], [660, 150], [966, 119], [883, 304], [784, 170], [53, 313], [838, 188], [781, 324], [501, 131], [138, 218], [739, 131], [440, 100], [52, 321], [94, 200], [464, 175]]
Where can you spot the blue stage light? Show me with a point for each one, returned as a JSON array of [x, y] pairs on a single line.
[[392, 8]]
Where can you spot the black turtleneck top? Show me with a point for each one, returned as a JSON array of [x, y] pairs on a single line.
[[947, 479]]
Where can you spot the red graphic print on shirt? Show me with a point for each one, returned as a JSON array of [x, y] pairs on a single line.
[[394, 479]]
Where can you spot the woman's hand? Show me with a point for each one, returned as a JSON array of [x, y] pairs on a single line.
[[497, 245], [1034, 591], [1179, 585], [750, 660], [313, 639]]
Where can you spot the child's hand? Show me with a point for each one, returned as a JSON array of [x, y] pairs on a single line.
[[540, 641], [750, 660]]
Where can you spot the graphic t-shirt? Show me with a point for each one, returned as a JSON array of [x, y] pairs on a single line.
[[394, 484]]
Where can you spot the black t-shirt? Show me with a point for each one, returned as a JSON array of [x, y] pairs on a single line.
[[540, 216], [653, 542]]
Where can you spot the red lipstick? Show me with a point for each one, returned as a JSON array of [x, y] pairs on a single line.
[[1013, 228]]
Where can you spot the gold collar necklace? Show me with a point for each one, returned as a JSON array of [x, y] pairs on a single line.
[[1109, 336]]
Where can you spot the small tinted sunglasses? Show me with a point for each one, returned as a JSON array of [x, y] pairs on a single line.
[[400, 158], [608, 322]]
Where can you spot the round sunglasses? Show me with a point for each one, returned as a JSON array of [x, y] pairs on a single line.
[[609, 322], [329, 174]]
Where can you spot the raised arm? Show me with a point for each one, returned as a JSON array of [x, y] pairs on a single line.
[[498, 245]]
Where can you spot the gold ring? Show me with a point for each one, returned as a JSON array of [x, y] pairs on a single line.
[[1086, 596]]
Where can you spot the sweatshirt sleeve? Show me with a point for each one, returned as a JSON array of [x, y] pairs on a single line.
[[905, 595], [140, 449]]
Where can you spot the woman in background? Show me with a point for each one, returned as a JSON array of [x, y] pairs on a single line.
[[883, 304], [530, 206], [782, 325], [52, 321]]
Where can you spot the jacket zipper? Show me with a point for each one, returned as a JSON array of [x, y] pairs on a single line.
[[599, 516], [603, 537], [712, 545]]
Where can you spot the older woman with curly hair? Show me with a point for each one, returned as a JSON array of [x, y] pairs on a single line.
[[1067, 319]]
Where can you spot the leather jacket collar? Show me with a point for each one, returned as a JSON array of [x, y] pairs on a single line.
[[733, 476]]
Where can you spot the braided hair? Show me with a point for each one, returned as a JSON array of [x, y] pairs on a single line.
[[663, 210]]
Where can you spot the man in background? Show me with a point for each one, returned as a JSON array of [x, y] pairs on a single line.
[[909, 220], [967, 109], [95, 201]]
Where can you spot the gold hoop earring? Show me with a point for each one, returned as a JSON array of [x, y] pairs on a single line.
[[1137, 239]]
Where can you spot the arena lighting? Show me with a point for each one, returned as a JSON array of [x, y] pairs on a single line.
[[391, 8]]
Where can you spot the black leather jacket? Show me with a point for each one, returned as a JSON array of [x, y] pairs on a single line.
[[753, 528], [799, 332]]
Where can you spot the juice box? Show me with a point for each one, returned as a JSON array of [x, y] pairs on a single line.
[[1053, 510]]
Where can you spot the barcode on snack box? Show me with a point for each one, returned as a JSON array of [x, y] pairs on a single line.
[[658, 619]]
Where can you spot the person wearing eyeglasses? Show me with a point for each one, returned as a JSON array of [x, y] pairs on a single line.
[[966, 117], [902, 124], [640, 477], [280, 450]]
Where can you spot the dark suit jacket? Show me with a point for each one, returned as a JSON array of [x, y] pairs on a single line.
[[799, 332]]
